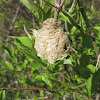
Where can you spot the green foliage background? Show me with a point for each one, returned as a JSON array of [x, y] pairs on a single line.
[[77, 73]]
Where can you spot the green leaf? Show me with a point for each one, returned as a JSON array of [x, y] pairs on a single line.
[[2, 95], [1, 2], [39, 77], [30, 37], [93, 81], [9, 66], [87, 42], [67, 61], [37, 65], [48, 13], [90, 29], [25, 41], [89, 85], [7, 50], [19, 68], [44, 78], [65, 17], [73, 29], [42, 93], [35, 9], [73, 21], [11, 51], [92, 68], [97, 28], [31, 52]]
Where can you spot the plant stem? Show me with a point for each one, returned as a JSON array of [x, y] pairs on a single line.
[[36, 88], [67, 14], [58, 4]]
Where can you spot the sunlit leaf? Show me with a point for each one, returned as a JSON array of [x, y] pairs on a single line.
[[9, 66], [25, 41], [36, 65], [89, 85], [92, 68], [2, 95], [46, 81], [31, 52], [67, 61]]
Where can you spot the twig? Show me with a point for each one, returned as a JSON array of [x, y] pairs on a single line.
[[65, 13], [14, 19], [72, 6], [98, 62], [72, 86], [64, 77], [61, 4], [64, 83], [36, 88], [56, 11], [59, 1], [58, 4], [80, 85], [63, 7], [74, 50]]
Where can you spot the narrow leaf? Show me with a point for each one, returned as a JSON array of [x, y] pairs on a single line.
[[89, 85], [92, 68], [31, 52], [30, 37], [46, 81], [7, 50], [9, 66]]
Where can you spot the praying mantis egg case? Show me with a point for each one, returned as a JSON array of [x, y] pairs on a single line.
[[51, 42]]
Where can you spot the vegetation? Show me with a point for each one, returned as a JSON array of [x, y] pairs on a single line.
[[24, 75]]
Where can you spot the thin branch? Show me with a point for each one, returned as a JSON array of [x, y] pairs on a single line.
[[63, 7], [56, 11], [64, 77], [72, 6], [59, 1], [65, 13], [74, 50], [95, 48], [98, 62], [80, 85], [61, 4], [36, 88], [65, 83], [72, 86], [58, 4]]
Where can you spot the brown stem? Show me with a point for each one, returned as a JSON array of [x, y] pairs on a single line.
[[73, 21], [56, 11], [58, 4], [64, 76], [63, 7], [36, 88], [72, 6]]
